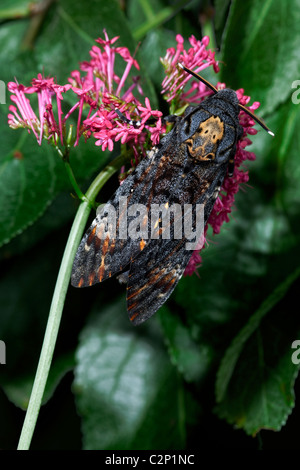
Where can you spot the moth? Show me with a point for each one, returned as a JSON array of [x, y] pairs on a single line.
[[186, 169]]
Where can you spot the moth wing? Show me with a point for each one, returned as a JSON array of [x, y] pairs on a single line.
[[153, 276], [101, 253], [97, 255], [156, 271]]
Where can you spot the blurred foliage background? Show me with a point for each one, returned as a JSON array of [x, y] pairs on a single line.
[[213, 368]]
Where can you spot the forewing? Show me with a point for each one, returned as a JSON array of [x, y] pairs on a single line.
[[102, 251]]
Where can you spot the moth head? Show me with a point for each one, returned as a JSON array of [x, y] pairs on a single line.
[[229, 96]]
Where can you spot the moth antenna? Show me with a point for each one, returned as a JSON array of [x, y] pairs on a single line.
[[257, 119], [214, 89], [208, 84]]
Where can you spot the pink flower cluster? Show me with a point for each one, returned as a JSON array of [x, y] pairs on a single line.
[[196, 58], [46, 125], [100, 91], [104, 91]]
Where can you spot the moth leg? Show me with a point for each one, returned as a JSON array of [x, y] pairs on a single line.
[[125, 119]]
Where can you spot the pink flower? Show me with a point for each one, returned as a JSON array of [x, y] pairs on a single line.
[[109, 91], [194, 263], [45, 124], [196, 58], [100, 91]]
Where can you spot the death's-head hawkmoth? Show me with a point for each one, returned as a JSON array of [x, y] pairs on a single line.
[[186, 169]]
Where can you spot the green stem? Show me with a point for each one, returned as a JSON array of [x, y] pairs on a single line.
[[58, 301], [160, 17], [74, 183]]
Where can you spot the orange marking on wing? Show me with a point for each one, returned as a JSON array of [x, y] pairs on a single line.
[[80, 282], [136, 292], [130, 307], [112, 246], [97, 243], [133, 317], [166, 286], [162, 281], [101, 271], [105, 245], [91, 278], [152, 279], [142, 244], [91, 235]]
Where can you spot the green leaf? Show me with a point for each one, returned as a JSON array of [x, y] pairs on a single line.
[[19, 9], [123, 379], [30, 181], [254, 387], [192, 358], [18, 390], [27, 186], [155, 17], [259, 49], [220, 17], [55, 217], [25, 297], [153, 47], [221, 8]]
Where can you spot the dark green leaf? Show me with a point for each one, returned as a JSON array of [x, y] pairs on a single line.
[[260, 49], [18, 390], [19, 8], [221, 10], [30, 181], [123, 379], [193, 359], [254, 388], [153, 47], [25, 297]]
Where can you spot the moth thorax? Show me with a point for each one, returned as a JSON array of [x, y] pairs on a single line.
[[204, 143]]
